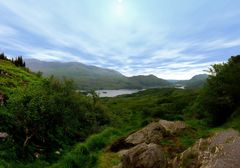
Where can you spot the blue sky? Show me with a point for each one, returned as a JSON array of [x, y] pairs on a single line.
[[172, 39]]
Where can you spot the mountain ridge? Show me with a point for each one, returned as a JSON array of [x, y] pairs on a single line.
[[92, 77], [194, 82]]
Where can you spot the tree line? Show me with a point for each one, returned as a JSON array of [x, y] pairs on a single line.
[[220, 97], [18, 61]]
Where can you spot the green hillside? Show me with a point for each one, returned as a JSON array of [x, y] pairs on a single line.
[[41, 116], [12, 76], [148, 81], [196, 81]]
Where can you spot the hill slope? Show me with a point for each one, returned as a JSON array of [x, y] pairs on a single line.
[[92, 77], [12, 76], [195, 82], [148, 81]]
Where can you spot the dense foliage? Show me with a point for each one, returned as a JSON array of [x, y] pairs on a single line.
[[168, 103], [221, 95], [47, 116], [43, 115]]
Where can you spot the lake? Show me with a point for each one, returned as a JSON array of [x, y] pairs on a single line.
[[114, 93]]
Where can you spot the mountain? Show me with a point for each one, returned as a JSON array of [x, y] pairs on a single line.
[[70, 68], [92, 77], [195, 82], [84, 76], [148, 81]]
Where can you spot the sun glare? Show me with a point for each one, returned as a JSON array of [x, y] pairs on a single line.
[[120, 1], [120, 10]]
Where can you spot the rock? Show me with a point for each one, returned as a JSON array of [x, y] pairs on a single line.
[[154, 132], [219, 151], [144, 156], [173, 127], [3, 135], [120, 144]]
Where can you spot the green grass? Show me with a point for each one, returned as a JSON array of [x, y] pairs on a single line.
[[13, 76], [108, 159], [90, 154]]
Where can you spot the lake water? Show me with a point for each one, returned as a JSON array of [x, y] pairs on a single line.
[[114, 93]]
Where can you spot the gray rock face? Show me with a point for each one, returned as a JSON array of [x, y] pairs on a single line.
[[144, 156], [222, 150], [154, 132], [144, 150]]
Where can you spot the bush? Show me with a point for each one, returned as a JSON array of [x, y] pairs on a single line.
[[50, 115]]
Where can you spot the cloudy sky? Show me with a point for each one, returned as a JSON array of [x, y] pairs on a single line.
[[172, 39]]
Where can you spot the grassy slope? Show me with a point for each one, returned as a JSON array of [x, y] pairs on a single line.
[[12, 76]]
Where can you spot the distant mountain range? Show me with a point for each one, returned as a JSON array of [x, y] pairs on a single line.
[[194, 82], [92, 77]]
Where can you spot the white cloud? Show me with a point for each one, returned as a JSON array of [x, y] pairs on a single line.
[[220, 44], [134, 47], [7, 31]]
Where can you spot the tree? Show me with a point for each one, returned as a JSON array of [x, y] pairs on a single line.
[[221, 94], [19, 61], [2, 56]]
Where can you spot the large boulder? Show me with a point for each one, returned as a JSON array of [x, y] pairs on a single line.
[[154, 132], [144, 156], [218, 151]]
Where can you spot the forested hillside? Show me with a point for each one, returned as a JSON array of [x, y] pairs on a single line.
[[40, 116], [196, 81]]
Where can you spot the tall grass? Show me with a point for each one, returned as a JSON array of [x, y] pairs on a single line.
[[86, 155]]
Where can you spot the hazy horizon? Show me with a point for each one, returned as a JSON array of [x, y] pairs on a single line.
[[52, 61], [169, 39]]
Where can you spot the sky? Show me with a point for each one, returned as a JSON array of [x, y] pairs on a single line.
[[172, 39]]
